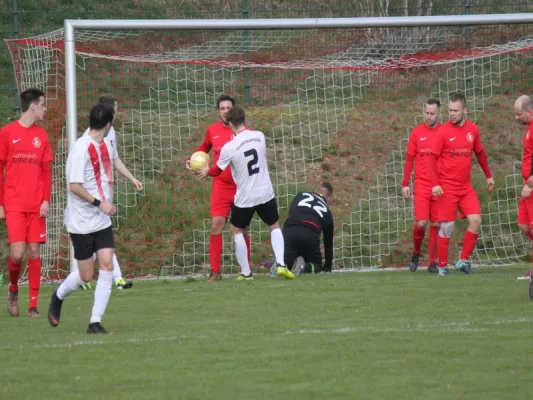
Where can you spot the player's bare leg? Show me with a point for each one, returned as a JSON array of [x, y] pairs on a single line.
[[34, 278], [469, 243], [17, 250], [419, 230], [433, 266], [215, 247], [526, 231], [278, 246], [241, 253]]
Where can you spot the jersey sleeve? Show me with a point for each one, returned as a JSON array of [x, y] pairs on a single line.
[[411, 145], [114, 152], [478, 147], [77, 160], [207, 144], [225, 156], [47, 151]]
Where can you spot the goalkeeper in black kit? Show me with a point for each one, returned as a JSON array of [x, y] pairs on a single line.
[[309, 215]]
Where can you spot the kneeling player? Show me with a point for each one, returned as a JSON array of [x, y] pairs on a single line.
[[309, 215], [246, 154]]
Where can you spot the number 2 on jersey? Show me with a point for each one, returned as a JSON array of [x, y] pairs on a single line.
[[320, 208], [253, 168]]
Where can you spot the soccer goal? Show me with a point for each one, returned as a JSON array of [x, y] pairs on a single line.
[[336, 99]]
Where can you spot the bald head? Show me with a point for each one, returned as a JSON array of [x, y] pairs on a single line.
[[523, 108]]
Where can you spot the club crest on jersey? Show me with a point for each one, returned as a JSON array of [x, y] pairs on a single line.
[[470, 137], [36, 142]]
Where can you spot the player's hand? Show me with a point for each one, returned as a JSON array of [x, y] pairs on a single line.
[[138, 185], [490, 184], [530, 182], [526, 192], [107, 208], [2, 213], [188, 164], [202, 173], [406, 192], [437, 191], [45, 207]]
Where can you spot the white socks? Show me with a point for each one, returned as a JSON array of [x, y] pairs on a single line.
[[241, 252], [117, 274], [101, 295], [278, 245], [69, 285]]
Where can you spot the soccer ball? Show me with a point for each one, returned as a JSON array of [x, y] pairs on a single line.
[[199, 160]]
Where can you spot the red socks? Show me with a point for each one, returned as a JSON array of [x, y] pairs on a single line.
[[248, 247], [14, 272], [432, 243], [530, 235], [418, 237], [443, 245], [469, 242], [34, 280], [215, 252]]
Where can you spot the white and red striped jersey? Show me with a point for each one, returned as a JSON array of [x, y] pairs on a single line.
[[91, 164]]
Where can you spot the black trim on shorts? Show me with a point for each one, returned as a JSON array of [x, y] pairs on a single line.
[[268, 212], [86, 244]]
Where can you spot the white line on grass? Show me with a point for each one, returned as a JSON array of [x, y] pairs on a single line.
[[452, 326]]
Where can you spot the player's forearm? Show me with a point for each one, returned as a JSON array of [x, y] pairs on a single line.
[[205, 147], [407, 169], [80, 191], [122, 169], [214, 171], [432, 170], [47, 181], [2, 165], [484, 163]]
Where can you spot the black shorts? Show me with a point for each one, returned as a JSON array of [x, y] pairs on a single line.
[[268, 212], [86, 244], [302, 241]]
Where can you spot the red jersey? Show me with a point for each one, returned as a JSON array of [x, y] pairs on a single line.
[[420, 144], [528, 152], [455, 145], [216, 136], [24, 151]]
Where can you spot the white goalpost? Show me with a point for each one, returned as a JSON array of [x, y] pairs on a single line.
[[336, 98]]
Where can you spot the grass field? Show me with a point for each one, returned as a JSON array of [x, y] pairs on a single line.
[[384, 335]]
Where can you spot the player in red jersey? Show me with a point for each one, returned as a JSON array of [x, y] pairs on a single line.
[[25, 194], [223, 189], [425, 204], [453, 148], [523, 108]]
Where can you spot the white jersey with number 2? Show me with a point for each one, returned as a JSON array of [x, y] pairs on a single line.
[[247, 156]]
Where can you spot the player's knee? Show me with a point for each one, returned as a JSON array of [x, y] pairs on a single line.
[[17, 256], [34, 251], [524, 228], [446, 229], [474, 223], [217, 225], [275, 225], [234, 230], [422, 224]]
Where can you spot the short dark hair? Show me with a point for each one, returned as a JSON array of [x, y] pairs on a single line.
[[433, 101], [101, 114], [458, 96], [28, 97], [225, 97], [107, 99], [236, 116], [326, 185]]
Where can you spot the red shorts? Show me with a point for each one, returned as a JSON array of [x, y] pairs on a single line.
[[25, 227], [222, 195], [426, 206], [525, 211], [449, 202]]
